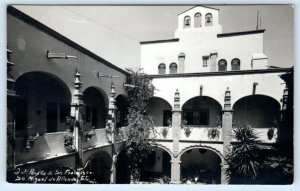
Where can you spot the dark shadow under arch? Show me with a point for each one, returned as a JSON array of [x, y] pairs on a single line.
[[100, 165], [257, 111]]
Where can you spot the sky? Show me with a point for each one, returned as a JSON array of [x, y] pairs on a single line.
[[114, 32]]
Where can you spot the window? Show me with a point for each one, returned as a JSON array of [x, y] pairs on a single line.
[[161, 68], [208, 19], [235, 64], [197, 20], [196, 117], [205, 60], [222, 65], [187, 22], [173, 68]]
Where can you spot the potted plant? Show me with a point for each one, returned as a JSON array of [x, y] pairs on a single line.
[[90, 133], [108, 131], [164, 131], [270, 133], [70, 123], [69, 143], [213, 133], [30, 141], [187, 130], [169, 122]]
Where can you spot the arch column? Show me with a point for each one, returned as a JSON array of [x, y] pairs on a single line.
[[176, 123], [175, 170], [113, 171], [77, 112], [111, 128], [227, 132]]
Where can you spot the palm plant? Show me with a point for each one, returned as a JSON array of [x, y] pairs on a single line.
[[243, 159]]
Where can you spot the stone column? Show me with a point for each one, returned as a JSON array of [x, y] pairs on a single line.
[[113, 171], [175, 170], [176, 123], [77, 112], [111, 125], [226, 130], [224, 178]]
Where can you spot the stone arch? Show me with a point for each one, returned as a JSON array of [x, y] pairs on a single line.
[[157, 165], [100, 165], [44, 101], [160, 111], [203, 162], [95, 107], [102, 92], [161, 68], [201, 147], [201, 110], [257, 110], [164, 148]]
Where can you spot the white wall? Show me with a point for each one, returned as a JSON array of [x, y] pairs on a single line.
[[198, 42], [214, 86]]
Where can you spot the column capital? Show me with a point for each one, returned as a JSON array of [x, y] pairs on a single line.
[[227, 110]]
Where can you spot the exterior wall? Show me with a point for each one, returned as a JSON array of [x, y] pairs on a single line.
[[214, 86], [154, 54], [215, 28], [204, 41], [30, 46], [29, 41]]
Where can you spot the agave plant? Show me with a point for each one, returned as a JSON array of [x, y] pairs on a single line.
[[244, 159]]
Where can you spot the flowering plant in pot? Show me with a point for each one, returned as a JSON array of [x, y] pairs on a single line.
[[164, 131], [69, 143], [90, 133], [213, 133], [30, 141], [70, 123], [187, 130]]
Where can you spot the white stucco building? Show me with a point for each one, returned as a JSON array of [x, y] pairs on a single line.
[[219, 80], [200, 46]]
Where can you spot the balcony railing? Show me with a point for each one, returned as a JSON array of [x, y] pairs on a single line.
[[210, 134]]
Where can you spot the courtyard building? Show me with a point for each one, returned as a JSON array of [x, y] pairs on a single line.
[[206, 82]]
